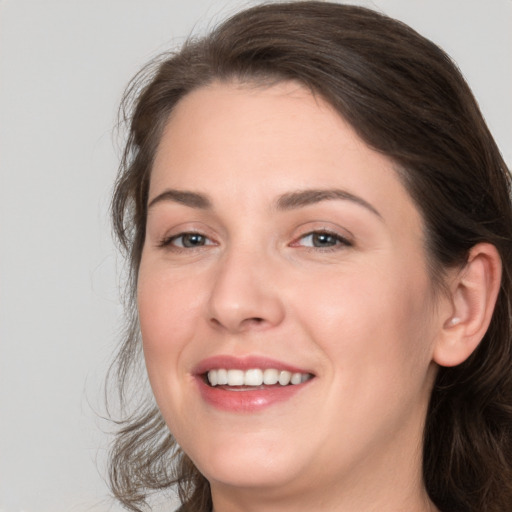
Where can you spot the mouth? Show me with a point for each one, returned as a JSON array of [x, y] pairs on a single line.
[[249, 384], [253, 378]]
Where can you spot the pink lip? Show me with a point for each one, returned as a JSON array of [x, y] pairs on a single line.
[[244, 363], [252, 400]]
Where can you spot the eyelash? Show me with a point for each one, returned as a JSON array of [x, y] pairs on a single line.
[[168, 241], [339, 241]]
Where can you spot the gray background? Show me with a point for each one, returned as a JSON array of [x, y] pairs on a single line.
[[63, 67]]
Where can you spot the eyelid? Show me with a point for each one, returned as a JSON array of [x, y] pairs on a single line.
[[166, 241], [340, 238], [319, 227], [343, 237]]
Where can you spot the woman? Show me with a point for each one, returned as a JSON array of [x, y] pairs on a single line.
[[318, 223]]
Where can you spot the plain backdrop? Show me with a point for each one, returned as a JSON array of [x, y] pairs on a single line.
[[63, 67]]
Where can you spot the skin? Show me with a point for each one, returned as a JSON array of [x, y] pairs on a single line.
[[359, 311]]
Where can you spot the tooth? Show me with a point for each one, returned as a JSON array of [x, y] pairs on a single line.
[[253, 377], [296, 378], [270, 376], [235, 377], [212, 377], [222, 377], [284, 378]]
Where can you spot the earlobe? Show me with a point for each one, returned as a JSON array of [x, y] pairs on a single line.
[[473, 294]]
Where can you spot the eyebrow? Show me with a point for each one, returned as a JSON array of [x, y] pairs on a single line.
[[288, 201], [191, 199], [302, 198]]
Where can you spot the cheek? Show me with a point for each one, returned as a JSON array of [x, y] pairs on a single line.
[[168, 309], [165, 305], [375, 321]]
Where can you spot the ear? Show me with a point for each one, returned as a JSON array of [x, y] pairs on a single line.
[[473, 294]]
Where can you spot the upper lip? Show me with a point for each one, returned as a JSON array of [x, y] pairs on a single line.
[[245, 363]]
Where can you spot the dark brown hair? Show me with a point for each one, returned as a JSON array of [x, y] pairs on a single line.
[[406, 99]]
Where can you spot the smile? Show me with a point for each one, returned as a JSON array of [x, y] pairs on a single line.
[[249, 384], [255, 377]]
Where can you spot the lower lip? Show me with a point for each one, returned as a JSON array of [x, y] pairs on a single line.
[[252, 400]]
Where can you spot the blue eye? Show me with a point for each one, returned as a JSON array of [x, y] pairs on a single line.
[[323, 240], [187, 241]]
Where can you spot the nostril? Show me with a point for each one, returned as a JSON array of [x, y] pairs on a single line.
[[215, 321], [246, 323], [255, 320]]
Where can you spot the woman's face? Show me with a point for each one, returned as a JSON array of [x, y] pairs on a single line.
[[280, 246]]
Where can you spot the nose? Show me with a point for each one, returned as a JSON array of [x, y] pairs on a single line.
[[244, 295]]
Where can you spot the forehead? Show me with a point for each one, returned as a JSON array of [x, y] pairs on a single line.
[[246, 118], [254, 141]]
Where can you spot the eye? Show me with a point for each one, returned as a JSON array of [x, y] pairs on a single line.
[[322, 240], [187, 241]]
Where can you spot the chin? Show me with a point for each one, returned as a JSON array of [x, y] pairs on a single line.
[[247, 462], [248, 475]]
